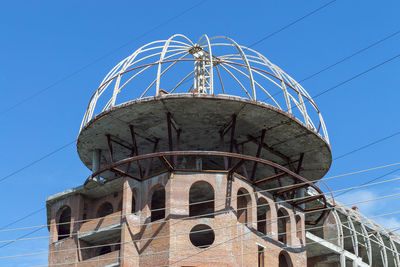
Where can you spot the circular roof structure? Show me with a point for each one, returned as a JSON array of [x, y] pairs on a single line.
[[210, 66]]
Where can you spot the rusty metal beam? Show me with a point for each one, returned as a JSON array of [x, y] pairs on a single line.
[[305, 200], [110, 148], [167, 164], [269, 148], [178, 135], [234, 167], [314, 208], [135, 149], [244, 163], [150, 160], [291, 188], [276, 176], [169, 132], [119, 142], [283, 170], [223, 148], [232, 141], [259, 149], [300, 163], [125, 173]]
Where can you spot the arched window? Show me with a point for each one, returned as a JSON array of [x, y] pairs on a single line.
[[133, 207], [203, 194], [283, 225], [261, 261], [158, 204], [263, 216], [243, 206], [64, 223], [284, 260], [105, 209]]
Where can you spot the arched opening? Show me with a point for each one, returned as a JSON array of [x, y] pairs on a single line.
[[261, 261], [284, 260], [201, 200], [158, 204], [64, 223], [105, 209], [104, 250], [299, 228], [283, 225], [263, 216], [202, 236], [243, 206], [133, 207]]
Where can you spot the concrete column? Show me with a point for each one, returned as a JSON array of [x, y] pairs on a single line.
[[96, 156]]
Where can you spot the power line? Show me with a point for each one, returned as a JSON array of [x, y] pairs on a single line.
[[292, 23], [350, 56], [233, 225], [208, 201], [253, 45], [102, 57], [370, 181], [20, 238], [20, 219], [356, 76], [368, 145], [36, 161], [122, 46], [317, 95]]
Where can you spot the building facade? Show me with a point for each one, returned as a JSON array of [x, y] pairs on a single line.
[[217, 173]]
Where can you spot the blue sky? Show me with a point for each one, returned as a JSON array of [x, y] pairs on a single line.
[[44, 42]]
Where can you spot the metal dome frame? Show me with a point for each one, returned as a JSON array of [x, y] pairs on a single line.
[[238, 65]]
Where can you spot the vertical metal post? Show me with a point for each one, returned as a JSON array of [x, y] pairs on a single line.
[[221, 134], [178, 135], [134, 151], [110, 148], [260, 146], [244, 170], [169, 134], [232, 138], [150, 161]]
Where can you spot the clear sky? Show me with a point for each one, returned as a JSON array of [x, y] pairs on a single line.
[[71, 45]]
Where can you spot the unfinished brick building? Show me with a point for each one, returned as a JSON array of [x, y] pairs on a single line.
[[208, 165]]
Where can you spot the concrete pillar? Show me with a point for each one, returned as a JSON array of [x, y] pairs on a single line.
[[96, 156]]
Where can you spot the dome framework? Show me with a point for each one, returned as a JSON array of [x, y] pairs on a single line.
[[220, 66], [215, 119]]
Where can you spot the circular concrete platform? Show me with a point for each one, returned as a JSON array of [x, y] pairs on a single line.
[[200, 119]]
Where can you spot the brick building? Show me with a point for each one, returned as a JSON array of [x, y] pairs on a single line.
[[211, 174]]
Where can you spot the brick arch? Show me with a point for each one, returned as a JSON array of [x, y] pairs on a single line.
[[201, 192], [244, 205], [284, 221], [284, 259], [63, 222], [264, 215]]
